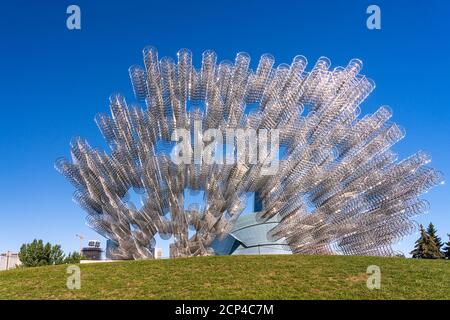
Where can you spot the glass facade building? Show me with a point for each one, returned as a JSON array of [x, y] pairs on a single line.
[[250, 237]]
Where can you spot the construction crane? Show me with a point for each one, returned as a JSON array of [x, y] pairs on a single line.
[[81, 237]]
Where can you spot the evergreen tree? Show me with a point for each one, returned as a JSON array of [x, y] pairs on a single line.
[[425, 247], [432, 231], [446, 251]]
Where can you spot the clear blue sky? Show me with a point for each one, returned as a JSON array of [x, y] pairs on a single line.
[[53, 81]]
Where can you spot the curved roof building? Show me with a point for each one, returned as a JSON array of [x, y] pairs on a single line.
[[249, 236]]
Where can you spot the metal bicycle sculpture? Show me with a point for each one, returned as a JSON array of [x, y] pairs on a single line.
[[338, 189]]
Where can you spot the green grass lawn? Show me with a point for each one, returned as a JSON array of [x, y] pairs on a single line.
[[236, 277]]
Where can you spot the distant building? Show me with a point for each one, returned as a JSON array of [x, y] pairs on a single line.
[[158, 253], [110, 247], [9, 260], [92, 251]]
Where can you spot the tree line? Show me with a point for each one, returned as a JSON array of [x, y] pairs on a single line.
[[36, 254]]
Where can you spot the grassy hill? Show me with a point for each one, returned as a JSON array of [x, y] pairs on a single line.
[[236, 277]]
